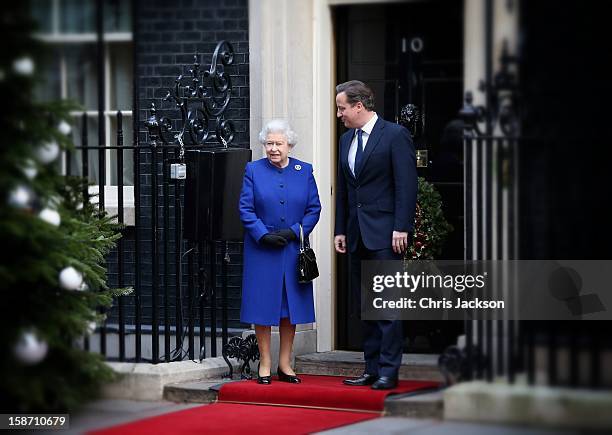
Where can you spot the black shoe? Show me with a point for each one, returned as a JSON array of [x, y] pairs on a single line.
[[365, 379], [384, 383], [284, 377], [265, 380]]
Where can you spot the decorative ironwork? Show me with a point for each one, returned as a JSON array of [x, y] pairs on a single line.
[[157, 126], [410, 117], [202, 97], [471, 115], [245, 350], [503, 100]]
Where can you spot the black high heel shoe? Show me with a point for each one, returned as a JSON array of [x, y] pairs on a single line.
[[284, 377], [265, 380]]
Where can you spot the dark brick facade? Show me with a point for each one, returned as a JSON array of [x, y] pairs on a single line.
[[167, 35]]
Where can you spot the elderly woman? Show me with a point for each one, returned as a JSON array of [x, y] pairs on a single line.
[[278, 195]]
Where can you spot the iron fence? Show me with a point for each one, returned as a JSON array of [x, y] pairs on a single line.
[[536, 352], [181, 295]]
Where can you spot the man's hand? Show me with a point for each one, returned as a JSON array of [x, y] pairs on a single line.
[[399, 242], [340, 243]]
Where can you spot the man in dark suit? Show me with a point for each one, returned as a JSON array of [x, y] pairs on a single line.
[[376, 194]]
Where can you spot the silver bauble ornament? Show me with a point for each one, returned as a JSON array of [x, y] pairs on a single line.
[[30, 349], [22, 197], [50, 216], [29, 169], [24, 66], [47, 152], [70, 279], [64, 128], [91, 327]]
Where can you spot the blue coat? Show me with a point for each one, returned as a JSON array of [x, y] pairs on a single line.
[[381, 198], [272, 199]]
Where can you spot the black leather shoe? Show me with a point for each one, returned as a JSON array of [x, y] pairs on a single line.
[[284, 377], [364, 379], [384, 383], [265, 380]]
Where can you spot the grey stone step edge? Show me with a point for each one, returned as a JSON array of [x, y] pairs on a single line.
[[145, 381], [344, 363]]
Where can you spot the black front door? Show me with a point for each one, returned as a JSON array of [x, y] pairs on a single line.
[[410, 53]]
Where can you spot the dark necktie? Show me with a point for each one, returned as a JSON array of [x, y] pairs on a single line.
[[359, 153]]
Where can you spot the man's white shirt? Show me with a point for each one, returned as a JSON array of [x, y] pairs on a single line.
[[367, 130]]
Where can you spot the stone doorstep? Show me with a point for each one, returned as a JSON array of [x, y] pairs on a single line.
[[344, 363], [193, 392], [145, 381], [541, 406], [426, 404]]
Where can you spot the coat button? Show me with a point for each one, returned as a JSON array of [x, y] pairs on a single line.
[[282, 201], [358, 205], [282, 185], [282, 219]]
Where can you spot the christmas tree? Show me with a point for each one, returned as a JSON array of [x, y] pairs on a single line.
[[52, 274], [430, 226]]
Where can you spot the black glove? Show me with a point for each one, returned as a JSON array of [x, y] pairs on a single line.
[[286, 234], [274, 240]]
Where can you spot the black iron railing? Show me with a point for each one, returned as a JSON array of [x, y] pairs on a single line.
[[177, 297], [565, 353]]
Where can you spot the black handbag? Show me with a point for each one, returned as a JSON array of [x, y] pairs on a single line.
[[307, 269]]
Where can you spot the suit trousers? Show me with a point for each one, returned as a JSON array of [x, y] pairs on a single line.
[[382, 339]]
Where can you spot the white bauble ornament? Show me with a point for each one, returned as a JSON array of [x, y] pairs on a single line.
[[70, 278], [21, 197], [23, 66], [50, 216], [64, 128], [30, 349], [48, 152], [91, 327], [29, 169]]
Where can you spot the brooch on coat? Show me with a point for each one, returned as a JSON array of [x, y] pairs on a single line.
[[298, 167]]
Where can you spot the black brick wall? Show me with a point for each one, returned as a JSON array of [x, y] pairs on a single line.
[[167, 36]]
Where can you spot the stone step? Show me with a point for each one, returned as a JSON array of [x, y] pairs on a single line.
[[145, 381], [553, 407], [416, 405], [203, 391], [345, 363]]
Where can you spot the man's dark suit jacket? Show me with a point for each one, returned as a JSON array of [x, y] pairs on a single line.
[[381, 198]]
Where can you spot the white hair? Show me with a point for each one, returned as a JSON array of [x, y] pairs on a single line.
[[278, 126]]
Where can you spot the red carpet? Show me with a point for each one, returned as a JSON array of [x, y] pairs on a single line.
[[318, 403], [316, 391], [226, 419]]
